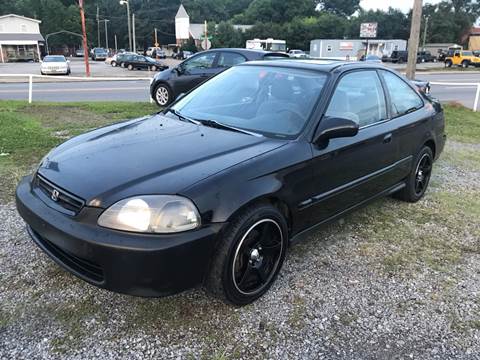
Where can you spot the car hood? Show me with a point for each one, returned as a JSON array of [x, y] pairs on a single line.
[[153, 155]]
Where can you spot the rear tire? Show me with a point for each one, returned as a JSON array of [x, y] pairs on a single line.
[[114, 63], [448, 63], [130, 67], [153, 68], [419, 178], [249, 255], [465, 64]]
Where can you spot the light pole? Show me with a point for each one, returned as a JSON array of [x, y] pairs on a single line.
[[106, 32], [425, 32], [125, 2]]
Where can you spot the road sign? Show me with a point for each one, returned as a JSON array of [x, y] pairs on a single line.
[[368, 30]]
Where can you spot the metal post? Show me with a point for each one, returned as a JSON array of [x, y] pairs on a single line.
[[425, 33], [1, 53], [30, 88], [133, 34], [414, 38], [106, 33], [98, 27], [477, 95], [116, 47]]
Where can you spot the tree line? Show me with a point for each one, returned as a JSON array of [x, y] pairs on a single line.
[[296, 21]]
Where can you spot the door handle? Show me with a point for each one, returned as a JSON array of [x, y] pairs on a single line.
[[387, 139]]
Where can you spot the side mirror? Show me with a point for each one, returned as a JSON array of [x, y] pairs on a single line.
[[335, 127], [179, 69]]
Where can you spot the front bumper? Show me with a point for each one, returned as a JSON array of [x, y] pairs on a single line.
[[55, 71], [129, 263]]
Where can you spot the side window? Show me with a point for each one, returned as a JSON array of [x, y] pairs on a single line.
[[228, 59], [359, 97], [203, 61], [403, 98]]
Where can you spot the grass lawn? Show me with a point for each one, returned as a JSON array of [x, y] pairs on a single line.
[[28, 132]]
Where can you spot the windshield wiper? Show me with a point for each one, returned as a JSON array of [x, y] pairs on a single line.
[[218, 125], [182, 117]]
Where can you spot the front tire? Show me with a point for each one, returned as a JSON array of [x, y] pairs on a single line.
[[153, 68], [448, 63], [163, 95], [465, 64], [419, 177], [114, 64], [130, 67], [249, 255]]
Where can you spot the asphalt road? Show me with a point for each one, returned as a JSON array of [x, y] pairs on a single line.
[[128, 90], [70, 91]]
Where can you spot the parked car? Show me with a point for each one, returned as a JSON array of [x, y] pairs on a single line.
[[182, 55], [139, 62], [397, 56], [371, 58], [422, 86], [99, 54], [298, 54], [79, 53], [462, 58], [119, 58], [425, 56], [168, 84], [161, 54], [55, 64], [258, 158]]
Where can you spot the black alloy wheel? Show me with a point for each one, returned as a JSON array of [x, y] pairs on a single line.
[[417, 181], [249, 255], [257, 257]]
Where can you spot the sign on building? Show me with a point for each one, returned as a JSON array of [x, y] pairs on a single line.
[[368, 30], [346, 45]]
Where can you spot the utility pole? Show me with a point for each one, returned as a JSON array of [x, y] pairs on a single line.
[[116, 47], [206, 36], [98, 27], [85, 43], [425, 33], [414, 38], [125, 2], [156, 38], [106, 33], [133, 34]]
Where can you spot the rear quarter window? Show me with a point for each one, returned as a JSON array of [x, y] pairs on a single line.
[[402, 97]]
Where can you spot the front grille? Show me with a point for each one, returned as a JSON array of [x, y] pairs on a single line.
[[86, 268], [65, 200]]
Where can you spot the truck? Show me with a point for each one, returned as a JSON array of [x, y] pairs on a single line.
[[267, 44]]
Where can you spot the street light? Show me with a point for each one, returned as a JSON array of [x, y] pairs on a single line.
[[125, 2]]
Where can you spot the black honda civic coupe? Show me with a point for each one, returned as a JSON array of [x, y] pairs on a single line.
[[214, 189]]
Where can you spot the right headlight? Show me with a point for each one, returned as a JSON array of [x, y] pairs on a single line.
[[152, 214]]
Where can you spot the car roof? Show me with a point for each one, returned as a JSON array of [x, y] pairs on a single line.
[[323, 65]]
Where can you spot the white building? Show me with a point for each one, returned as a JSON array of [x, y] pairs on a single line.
[[184, 30], [354, 49], [20, 38]]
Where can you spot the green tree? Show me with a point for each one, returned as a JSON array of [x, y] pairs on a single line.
[[340, 7]]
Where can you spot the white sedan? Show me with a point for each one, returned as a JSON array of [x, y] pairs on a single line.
[[55, 64]]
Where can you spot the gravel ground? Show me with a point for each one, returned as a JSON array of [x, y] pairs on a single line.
[[392, 281]]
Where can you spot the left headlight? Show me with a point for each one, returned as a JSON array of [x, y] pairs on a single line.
[[151, 214]]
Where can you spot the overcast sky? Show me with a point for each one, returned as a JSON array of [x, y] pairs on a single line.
[[403, 5]]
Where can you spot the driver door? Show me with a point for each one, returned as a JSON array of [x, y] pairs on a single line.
[[195, 70], [351, 170]]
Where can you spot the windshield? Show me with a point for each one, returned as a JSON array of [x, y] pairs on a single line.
[[100, 51], [272, 101], [277, 47], [54, 59]]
